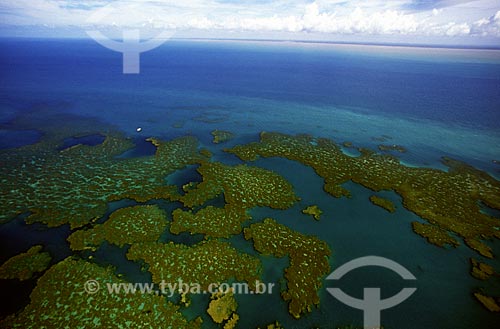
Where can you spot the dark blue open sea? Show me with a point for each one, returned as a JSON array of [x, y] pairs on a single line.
[[435, 102]]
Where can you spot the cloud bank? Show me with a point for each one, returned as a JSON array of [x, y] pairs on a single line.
[[445, 18]]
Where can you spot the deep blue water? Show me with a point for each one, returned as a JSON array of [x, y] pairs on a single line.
[[447, 104], [458, 92]]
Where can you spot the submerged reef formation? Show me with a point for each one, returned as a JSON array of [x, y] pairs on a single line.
[[275, 325], [124, 226], [382, 138], [481, 271], [24, 265], [314, 211], [221, 136], [204, 263], [243, 187], [178, 124], [231, 323], [492, 304], [210, 221], [308, 261], [434, 234], [393, 147], [74, 185], [222, 306], [448, 200], [347, 144], [60, 300], [211, 117], [383, 203], [58, 185]]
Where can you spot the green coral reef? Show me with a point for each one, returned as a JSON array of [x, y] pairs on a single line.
[[314, 211], [383, 203], [481, 271], [60, 301], [74, 185], [434, 234], [24, 265], [124, 226], [484, 272], [205, 263], [491, 304], [448, 200], [221, 136], [57, 186], [275, 325], [243, 186], [308, 261], [393, 147], [211, 221], [222, 306]]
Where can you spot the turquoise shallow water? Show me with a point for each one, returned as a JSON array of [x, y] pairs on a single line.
[[236, 88]]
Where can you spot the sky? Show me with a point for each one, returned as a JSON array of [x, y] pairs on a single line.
[[459, 22]]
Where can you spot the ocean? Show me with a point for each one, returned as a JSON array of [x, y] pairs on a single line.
[[434, 102]]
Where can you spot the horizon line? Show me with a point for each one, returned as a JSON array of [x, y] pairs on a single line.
[[297, 41]]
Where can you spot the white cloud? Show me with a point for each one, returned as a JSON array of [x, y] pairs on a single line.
[[457, 29], [436, 12], [377, 17], [487, 26]]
